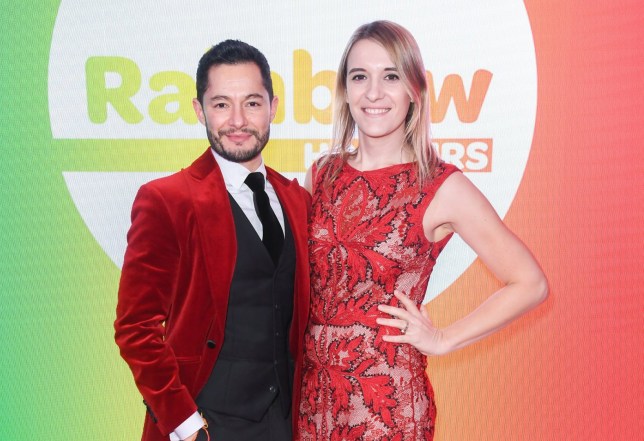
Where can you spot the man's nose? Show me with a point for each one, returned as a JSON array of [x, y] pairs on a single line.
[[237, 117]]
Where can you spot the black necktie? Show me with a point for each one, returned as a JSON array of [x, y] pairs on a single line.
[[273, 236]]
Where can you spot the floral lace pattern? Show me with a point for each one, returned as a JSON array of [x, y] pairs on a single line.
[[367, 240]]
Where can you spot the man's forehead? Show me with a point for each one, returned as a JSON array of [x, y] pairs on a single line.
[[249, 70], [243, 79]]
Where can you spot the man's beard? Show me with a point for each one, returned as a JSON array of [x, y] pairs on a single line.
[[236, 154]]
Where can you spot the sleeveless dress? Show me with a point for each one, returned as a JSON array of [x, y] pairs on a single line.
[[367, 240]]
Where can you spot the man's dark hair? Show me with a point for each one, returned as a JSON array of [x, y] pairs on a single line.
[[232, 52]]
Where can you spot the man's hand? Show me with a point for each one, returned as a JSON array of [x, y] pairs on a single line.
[[193, 437]]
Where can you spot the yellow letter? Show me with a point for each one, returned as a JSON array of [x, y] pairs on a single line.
[[304, 83]]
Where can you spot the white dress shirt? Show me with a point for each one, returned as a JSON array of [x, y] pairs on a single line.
[[234, 176]]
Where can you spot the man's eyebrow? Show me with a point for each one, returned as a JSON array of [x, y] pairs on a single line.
[[255, 96], [226, 97]]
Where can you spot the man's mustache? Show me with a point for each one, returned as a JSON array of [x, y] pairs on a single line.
[[255, 133]]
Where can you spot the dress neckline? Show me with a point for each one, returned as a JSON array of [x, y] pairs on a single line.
[[381, 169]]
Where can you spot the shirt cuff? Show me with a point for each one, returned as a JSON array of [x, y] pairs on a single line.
[[187, 428]]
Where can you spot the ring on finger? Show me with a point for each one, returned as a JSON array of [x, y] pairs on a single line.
[[404, 330]]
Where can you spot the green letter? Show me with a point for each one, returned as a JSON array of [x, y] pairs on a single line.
[[99, 95], [185, 91]]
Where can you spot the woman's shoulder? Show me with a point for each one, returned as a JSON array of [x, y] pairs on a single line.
[[440, 173], [327, 159], [326, 164]]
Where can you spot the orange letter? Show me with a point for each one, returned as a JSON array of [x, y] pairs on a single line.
[[468, 110]]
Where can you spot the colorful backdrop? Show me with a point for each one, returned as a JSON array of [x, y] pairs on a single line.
[[538, 101]]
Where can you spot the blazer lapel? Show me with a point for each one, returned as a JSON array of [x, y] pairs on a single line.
[[295, 203], [216, 228]]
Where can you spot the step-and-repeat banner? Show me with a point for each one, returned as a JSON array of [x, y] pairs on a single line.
[[535, 101]]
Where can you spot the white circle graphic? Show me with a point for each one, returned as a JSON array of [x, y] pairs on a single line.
[[480, 59]]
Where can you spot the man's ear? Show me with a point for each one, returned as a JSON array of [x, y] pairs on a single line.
[[274, 105], [198, 111]]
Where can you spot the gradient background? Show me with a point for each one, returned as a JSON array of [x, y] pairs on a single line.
[[570, 370]]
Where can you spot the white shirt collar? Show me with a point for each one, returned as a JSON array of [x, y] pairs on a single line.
[[234, 173]]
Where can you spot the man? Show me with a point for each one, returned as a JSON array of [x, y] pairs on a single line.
[[214, 291]]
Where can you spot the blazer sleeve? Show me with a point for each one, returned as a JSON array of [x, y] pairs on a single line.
[[145, 297]]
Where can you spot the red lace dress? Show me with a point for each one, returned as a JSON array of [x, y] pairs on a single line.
[[366, 239]]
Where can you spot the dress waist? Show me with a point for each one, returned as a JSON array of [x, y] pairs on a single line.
[[357, 350]]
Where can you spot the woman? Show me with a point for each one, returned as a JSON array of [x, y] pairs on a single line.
[[382, 213]]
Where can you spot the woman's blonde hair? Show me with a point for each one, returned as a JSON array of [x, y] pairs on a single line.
[[405, 54]]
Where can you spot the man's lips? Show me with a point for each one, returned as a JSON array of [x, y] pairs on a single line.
[[238, 137]]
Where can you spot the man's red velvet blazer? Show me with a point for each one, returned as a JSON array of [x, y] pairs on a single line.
[[174, 287]]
